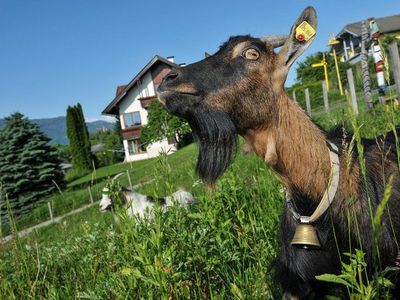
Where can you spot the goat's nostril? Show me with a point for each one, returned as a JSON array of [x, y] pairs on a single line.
[[171, 76]]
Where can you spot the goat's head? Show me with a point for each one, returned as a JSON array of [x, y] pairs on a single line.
[[233, 91], [111, 198], [180, 197], [106, 201], [111, 192]]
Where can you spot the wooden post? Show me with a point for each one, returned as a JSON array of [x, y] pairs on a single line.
[[294, 96], [325, 93], [353, 96], [90, 195], [50, 211], [129, 179], [308, 103], [364, 65], [1, 200], [395, 60]]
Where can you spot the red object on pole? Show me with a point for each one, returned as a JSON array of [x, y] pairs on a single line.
[[300, 37], [377, 55]]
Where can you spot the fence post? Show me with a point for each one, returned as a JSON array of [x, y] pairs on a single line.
[[90, 195], [1, 201], [395, 59], [353, 96], [308, 103], [325, 93], [50, 211], [129, 179], [294, 96]]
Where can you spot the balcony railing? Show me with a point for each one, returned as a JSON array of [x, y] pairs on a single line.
[[145, 101]]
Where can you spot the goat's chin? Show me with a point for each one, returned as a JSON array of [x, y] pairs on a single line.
[[179, 104], [216, 136], [105, 209]]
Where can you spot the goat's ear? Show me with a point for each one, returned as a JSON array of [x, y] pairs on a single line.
[[301, 36]]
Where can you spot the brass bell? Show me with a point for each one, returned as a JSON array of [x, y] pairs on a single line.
[[305, 237]]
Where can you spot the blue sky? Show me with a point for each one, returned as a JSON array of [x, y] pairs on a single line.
[[54, 53]]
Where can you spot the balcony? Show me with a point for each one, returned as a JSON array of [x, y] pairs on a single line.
[[145, 101], [132, 132]]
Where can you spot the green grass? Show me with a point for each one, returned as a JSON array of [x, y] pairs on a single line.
[[372, 123], [139, 170], [221, 248]]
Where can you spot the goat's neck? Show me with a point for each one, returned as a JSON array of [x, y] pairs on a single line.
[[296, 148]]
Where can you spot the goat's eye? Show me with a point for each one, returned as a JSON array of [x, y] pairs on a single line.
[[251, 54]]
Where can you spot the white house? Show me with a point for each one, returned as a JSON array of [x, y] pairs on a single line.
[[130, 106]]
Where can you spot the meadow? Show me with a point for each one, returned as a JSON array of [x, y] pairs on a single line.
[[223, 247]]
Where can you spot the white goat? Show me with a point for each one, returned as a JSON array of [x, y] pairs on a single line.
[[142, 205]]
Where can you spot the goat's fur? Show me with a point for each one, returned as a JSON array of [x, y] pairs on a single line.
[[228, 93]]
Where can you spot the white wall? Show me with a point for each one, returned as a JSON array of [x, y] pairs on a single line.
[[131, 102], [152, 151]]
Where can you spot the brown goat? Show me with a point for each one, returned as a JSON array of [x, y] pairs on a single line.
[[240, 91]]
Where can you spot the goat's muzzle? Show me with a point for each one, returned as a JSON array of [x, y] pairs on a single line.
[[178, 97]]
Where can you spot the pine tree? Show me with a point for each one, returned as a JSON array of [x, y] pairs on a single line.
[[29, 167], [78, 137]]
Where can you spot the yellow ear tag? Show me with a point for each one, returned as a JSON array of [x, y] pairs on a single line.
[[304, 31]]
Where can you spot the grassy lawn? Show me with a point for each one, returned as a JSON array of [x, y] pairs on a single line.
[[221, 248]]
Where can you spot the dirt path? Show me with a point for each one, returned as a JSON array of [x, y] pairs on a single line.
[[47, 223]]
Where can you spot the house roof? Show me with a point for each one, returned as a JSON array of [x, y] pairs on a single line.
[[122, 91], [385, 25]]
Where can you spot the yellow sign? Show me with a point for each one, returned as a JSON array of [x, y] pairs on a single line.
[[304, 31], [321, 64]]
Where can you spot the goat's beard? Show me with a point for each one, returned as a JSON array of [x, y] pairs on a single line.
[[216, 136]]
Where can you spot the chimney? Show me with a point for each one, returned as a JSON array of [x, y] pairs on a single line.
[[171, 58], [120, 88]]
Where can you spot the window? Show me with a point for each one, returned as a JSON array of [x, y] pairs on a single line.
[[134, 146], [132, 119]]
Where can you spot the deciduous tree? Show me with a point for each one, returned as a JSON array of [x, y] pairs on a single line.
[[162, 125]]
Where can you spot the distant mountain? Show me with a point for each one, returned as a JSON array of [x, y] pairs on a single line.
[[56, 128]]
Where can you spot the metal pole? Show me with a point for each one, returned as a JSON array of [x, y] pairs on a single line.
[[50, 211], [326, 73], [346, 55], [395, 60], [129, 179], [338, 72], [353, 96], [294, 96], [90, 195], [325, 93], [308, 103]]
